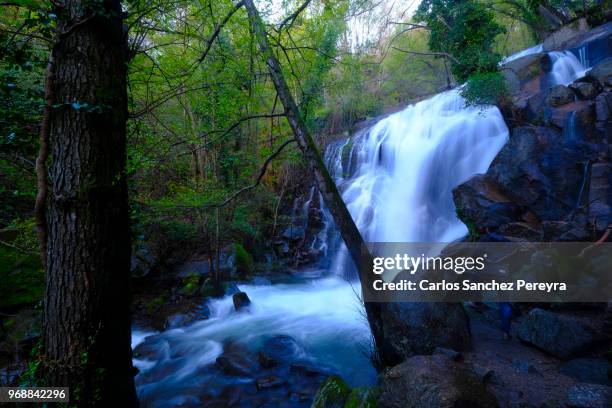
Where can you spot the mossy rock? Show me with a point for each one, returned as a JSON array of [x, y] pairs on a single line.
[[191, 284], [362, 397], [244, 261], [333, 394]]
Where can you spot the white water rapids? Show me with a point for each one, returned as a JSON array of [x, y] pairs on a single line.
[[397, 180]]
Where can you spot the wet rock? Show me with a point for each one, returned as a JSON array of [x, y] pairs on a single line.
[[589, 370], [333, 394], [418, 328], [241, 300], [271, 381], [580, 113], [519, 72], [308, 369], [236, 360], [278, 349], [178, 320], [152, 348], [559, 95], [433, 381], [600, 195], [602, 72], [584, 90], [556, 334], [589, 396]]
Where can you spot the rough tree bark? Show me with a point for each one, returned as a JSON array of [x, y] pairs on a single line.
[[86, 325]]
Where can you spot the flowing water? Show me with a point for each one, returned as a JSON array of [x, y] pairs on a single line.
[[397, 179], [566, 67]]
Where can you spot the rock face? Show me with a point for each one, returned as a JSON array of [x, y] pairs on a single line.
[[418, 328], [433, 381], [556, 334]]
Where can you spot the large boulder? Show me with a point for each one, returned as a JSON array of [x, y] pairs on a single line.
[[602, 72], [237, 361], [526, 73], [433, 381], [559, 95], [418, 328], [279, 349], [539, 172], [481, 202], [584, 89], [559, 335]]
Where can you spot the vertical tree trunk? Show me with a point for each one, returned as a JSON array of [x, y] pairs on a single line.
[[343, 219], [86, 328]]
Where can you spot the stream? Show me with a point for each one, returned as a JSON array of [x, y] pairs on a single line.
[[397, 179]]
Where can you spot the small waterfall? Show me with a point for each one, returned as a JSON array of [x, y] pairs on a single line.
[[583, 55], [533, 50], [566, 67]]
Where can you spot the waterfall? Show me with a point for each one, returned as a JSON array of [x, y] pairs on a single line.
[[533, 50], [566, 67], [397, 177]]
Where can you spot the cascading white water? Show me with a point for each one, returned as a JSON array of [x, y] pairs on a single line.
[[397, 180], [566, 67], [407, 165], [528, 51]]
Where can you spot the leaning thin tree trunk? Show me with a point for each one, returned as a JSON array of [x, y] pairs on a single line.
[[86, 327], [348, 230]]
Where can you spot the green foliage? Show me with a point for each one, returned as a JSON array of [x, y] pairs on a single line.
[[362, 397], [244, 261], [21, 276], [464, 29], [191, 284], [485, 89], [154, 304], [333, 393]]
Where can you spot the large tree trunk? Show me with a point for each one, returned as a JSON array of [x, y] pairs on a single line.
[[86, 328], [344, 222]]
